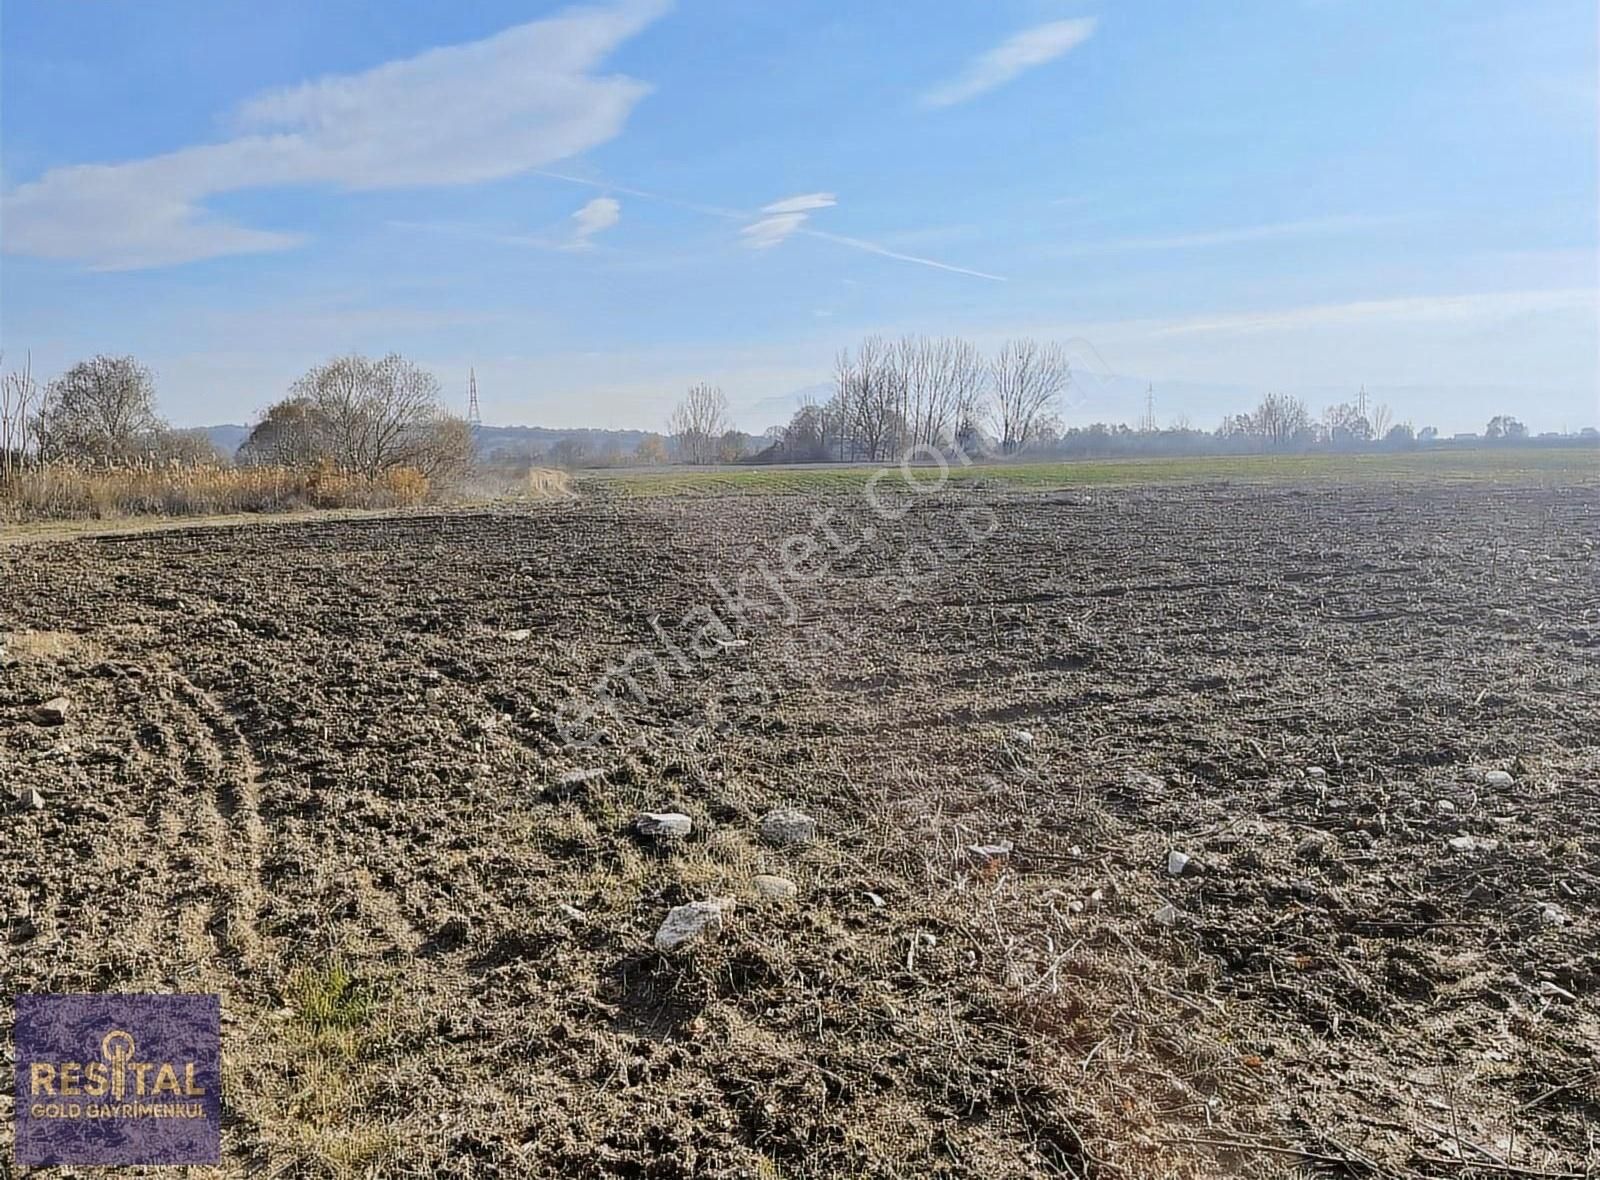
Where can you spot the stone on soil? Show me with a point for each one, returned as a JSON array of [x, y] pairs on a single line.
[[52, 712], [687, 924], [773, 887], [784, 826], [664, 825], [991, 854]]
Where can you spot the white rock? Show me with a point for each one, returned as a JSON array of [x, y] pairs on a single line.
[[927, 939], [571, 911], [664, 825], [1552, 915], [1550, 988], [877, 901], [1177, 862], [31, 799], [785, 825], [1022, 737], [990, 854], [1498, 778], [774, 887], [1316, 773], [52, 712], [687, 924], [1166, 915], [1445, 806], [1473, 844], [520, 635]]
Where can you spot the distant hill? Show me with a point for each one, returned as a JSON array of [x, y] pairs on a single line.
[[522, 442], [494, 442], [227, 438], [779, 409]]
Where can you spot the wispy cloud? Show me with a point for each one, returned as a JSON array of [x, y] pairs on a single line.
[[1011, 58], [756, 227], [599, 214], [804, 203], [511, 103], [769, 231], [1270, 231], [782, 218]]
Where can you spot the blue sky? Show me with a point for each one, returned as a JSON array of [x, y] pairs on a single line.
[[597, 206]]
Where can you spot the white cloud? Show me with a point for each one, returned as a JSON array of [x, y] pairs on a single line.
[[805, 203], [769, 231], [1011, 58], [783, 218], [599, 214], [510, 103]]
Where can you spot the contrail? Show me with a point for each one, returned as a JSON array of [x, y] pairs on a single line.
[[742, 216]]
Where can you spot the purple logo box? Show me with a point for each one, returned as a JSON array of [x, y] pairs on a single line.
[[105, 1079]]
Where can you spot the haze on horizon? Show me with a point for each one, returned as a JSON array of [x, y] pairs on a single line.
[[595, 207]]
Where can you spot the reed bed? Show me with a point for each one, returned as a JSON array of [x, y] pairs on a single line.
[[74, 491]]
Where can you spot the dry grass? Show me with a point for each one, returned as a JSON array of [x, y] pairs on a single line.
[[64, 491], [546, 484]]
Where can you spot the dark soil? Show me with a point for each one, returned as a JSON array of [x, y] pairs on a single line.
[[332, 743]]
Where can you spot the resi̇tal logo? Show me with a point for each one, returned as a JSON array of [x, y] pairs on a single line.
[[117, 1077], [106, 1079]]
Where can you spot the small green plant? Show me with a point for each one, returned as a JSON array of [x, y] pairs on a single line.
[[329, 998]]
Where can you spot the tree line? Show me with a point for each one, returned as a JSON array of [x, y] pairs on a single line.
[[943, 394], [353, 414], [891, 395]]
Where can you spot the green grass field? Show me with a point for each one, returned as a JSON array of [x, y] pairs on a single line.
[[1561, 465]]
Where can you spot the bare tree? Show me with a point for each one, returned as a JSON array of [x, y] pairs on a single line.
[[937, 379], [376, 414], [1382, 416], [19, 395], [1346, 424], [102, 409], [871, 394], [366, 417], [1279, 418], [959, 379], [1026, 382], [699, 422]]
